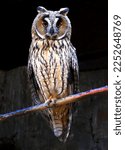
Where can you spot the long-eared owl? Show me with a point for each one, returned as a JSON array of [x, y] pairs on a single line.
[[53, 67]]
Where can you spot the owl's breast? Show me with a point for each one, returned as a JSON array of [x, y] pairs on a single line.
[[52, 74]]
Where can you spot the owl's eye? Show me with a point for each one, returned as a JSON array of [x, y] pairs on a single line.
[[45, 23], [59, 22]]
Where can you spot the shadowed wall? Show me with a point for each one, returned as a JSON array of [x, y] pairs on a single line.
[[89, 127]]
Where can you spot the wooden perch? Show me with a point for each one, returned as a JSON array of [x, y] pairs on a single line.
[[58, 102]]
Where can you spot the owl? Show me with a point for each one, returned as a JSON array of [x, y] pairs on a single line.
[[53, 70]]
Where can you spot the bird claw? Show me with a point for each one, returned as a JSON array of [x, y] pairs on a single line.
[[47, 103], [50, 103]]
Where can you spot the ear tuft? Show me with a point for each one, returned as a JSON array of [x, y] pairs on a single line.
[[64, 11], [41, 9]]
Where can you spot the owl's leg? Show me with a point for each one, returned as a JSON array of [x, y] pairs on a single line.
[[50, 102]]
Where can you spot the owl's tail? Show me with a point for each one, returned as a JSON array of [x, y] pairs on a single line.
[[60, 130], [57, 127]]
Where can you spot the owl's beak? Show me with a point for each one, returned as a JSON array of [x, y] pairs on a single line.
[[51, 34], [51, 31]]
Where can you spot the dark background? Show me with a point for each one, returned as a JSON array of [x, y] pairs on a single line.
[[89, 20], [89, 130]]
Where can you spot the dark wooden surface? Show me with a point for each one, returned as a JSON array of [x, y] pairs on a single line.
[[30, 132]]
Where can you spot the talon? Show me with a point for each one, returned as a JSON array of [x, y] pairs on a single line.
[[54, 102], [50, 101], [47, 103]]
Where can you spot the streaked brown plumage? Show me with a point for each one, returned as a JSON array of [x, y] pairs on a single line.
[[53, 66]]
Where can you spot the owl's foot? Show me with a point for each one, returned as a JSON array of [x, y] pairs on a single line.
[[50, 103]]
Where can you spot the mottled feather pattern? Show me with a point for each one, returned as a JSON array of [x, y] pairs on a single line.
[[53, 74], [51, 66]]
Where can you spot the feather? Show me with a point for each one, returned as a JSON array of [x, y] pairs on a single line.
[[53, 69]]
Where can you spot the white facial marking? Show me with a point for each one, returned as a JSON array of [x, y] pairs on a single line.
[[48, 21]]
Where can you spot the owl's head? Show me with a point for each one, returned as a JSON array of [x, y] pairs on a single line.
[[52, 24]]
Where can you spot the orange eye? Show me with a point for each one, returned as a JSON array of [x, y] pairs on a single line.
[[59, 22], [45, 23]]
